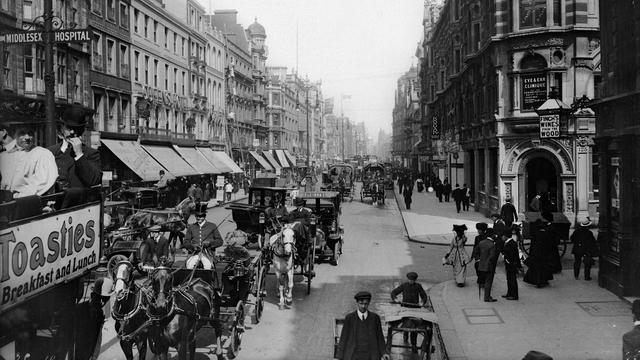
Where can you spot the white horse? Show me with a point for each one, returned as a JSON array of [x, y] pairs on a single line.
[[282, 246]]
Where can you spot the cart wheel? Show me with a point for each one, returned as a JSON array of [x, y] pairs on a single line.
[[236, 331], [337, 250], [524, 244], [310, 256], [259, 295], [113, 262]]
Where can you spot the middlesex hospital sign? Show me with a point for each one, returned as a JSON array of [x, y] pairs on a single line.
[[36, 255]]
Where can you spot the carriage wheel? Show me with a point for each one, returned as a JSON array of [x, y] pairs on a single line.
[[236, 331], [113, 262], [310, 256], [524, 244], [259, 295], [337, 250]]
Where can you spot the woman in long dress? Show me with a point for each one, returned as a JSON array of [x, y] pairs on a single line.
[[457, 256]]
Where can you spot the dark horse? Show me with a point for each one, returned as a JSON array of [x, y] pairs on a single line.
[[132, 322], [179, 312]]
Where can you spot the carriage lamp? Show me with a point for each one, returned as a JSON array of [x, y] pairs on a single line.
[[261, 218], [239, 269], [333, 226]]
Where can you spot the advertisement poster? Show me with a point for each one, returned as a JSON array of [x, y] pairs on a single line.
[[37, 255], [549, 126], [534, 91]]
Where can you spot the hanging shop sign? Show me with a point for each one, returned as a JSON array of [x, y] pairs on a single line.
[[550, 126], [26, 37], [40, 254], [435, 128], [534, 91]]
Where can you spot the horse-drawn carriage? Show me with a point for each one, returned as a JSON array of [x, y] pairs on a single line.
[[530, 225], [373, 183], [340, 178], [175, 302], [325, 205]]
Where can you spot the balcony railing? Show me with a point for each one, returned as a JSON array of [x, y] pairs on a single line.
[[149, 133]]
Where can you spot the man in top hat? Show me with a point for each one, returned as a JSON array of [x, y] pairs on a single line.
[[511, 262], [413, 296], [631, 339], [486, 259], [508, 212], [482, 228], [361, 337], [78, 165], [584, 248], [203, 235], [156, 249]]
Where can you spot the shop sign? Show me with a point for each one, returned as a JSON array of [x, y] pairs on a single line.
[[27, 37], [435, 128], [534, 91], [38, 255], [550, 126]]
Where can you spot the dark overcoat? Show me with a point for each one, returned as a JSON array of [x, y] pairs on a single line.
[[347, 344]]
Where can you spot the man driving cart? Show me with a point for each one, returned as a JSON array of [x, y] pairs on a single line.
[[413, 296], [201, 240]]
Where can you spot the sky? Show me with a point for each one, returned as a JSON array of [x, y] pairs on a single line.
[[355, 47]]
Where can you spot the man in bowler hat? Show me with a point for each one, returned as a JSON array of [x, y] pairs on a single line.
[[361, 337], [631, 339], [78, 164]]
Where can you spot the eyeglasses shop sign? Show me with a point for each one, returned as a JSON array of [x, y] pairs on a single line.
[[549, 126]]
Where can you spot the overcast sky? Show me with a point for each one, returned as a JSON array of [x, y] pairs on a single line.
[[356, 47]]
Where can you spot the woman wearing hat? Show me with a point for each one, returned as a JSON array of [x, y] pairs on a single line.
[[457, 257], [584, 248]]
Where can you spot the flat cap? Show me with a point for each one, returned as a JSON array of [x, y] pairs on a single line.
[[635, 308], [412, 275], [482, 226], [363, 295]]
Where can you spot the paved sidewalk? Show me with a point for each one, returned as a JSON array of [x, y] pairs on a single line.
[[570, 319], [430, 221]]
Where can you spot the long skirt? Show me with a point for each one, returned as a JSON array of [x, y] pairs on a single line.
[[459, 264]]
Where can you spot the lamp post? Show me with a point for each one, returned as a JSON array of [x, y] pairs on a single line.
[[306, 87]]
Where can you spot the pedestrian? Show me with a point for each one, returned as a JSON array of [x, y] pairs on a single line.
[[631, 339], [89, 319], [499, 229], [534, 204], [538, 272], [79, 165], [508, 212], [511, 262], [198, 194], [551, 242], [439, 189], [486, 256], [413, 296], [228, 189], [447, 190], [458, 197], [400, 182], [467, 198], [407, 197], [156, 250], [457, 256], [584, 249], [361, 337], [191, 192]]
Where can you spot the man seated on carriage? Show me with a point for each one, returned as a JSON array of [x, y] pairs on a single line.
[[235, 276], [276, 212], [201, 240], [302, 216], [156, 248]]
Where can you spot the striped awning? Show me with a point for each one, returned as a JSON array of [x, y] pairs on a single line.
[[135, 158], [267, 155], [282, 158], [197, 160], [260, 160], [292, 160], [171, 160]]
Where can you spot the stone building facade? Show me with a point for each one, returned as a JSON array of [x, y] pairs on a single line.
[[488, 69]]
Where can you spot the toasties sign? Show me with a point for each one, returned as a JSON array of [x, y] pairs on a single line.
[[80, 35], [37, 255]]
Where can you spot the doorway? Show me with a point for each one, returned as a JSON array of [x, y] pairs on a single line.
[[542, 179]]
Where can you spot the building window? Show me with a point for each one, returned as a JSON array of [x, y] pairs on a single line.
[[111, 10], [124, 15], [146, 27], [96, 54], [6, 59], [175, 43], [97, 6], [124, 61], [183, 46], [155, 31], [595, 172], [166, 77], [28, 68], [77, 79], [155, 73], [184, 80], [111, 57], [475, 37], [456, 60], [61, 70], [136, 20], [533, 13], [166, 38], [146, 70], [123, 119], [40, 67], [175, 80], [136, 59]]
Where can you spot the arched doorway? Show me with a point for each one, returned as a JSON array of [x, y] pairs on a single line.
[[542, 179]]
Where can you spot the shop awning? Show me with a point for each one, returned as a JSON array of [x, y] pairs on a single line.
[[282, 158], [170, 159], [215, 160], [292, 160], [224, 158], [135, 158], [267, 155], [197, 160], [264, 163]]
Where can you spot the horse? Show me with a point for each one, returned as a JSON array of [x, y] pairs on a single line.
[[282, 247], [129, 313], [178, 313]]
